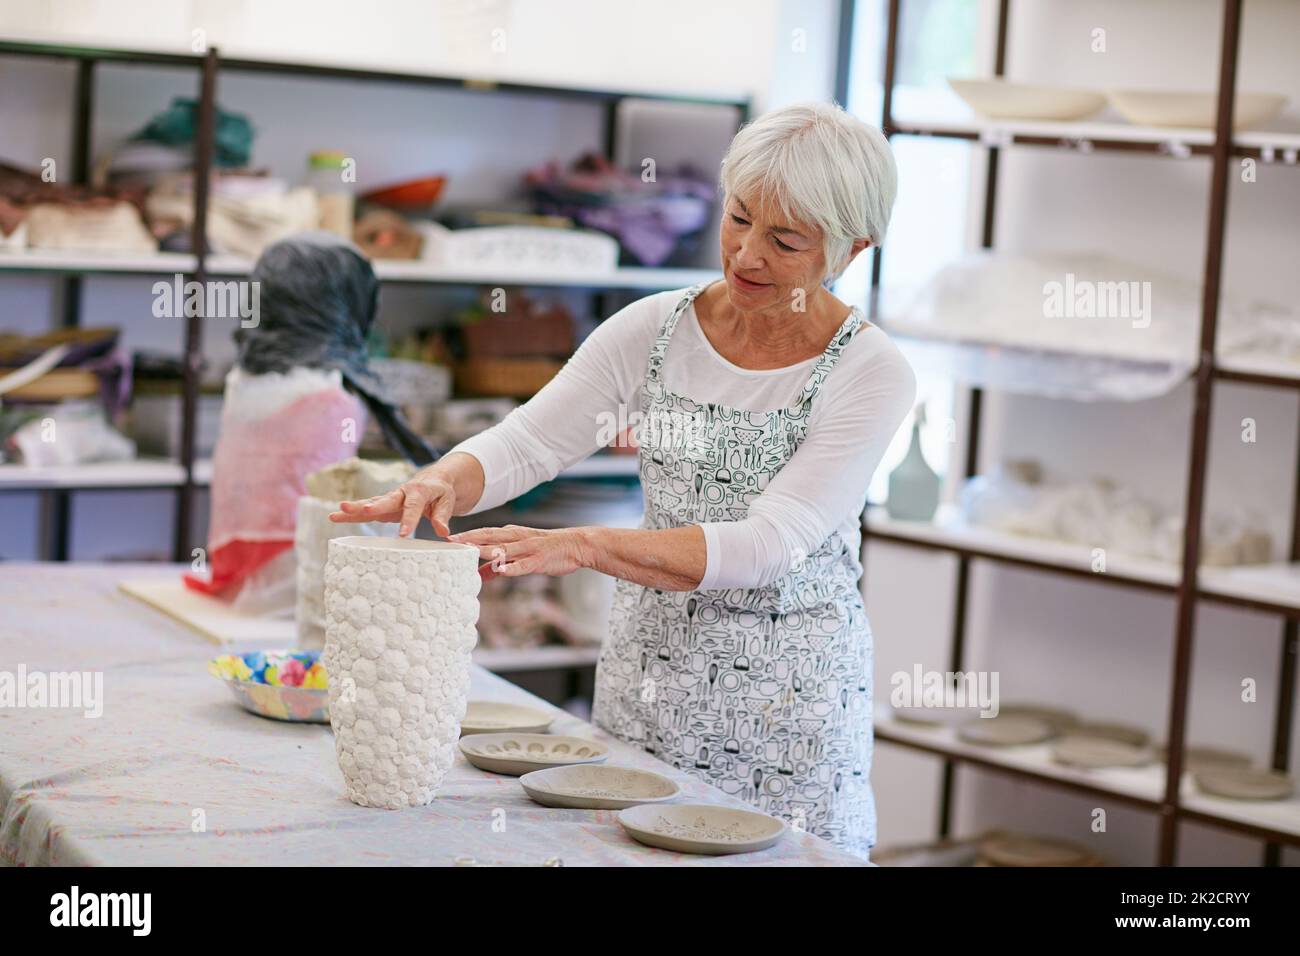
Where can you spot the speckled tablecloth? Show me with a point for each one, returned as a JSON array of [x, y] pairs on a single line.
[[124, 788]]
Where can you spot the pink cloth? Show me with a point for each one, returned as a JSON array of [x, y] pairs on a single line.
[[259, 472]]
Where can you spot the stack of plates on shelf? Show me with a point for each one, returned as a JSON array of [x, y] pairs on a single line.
[[1093, 745], [1094, 753], [1244, 784], [1060, 719], [1010, 849], [1208, 758], [935, 716], [996, 848], [1119, 733], [1006, 731]]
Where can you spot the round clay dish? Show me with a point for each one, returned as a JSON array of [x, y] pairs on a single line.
[[597, 787], [1005, 731], [1122, 733], [1095, 753], [1208, 758], [491, 717], [1238, 784], [701, 828], [1058, 717], [518, 754], [1032, 851]]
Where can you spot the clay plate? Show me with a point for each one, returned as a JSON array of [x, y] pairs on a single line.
[[1006, 731], [490, 717], [1094, 753], [701, 828], [1012, 850], [1123, 733], [597, 787], [1237, 784], [518, 754]]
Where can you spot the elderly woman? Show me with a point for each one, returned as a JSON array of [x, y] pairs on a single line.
[[738, 647]]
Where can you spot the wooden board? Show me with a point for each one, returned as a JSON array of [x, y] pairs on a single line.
[[210, 616]]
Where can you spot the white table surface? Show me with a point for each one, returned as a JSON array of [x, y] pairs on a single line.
[[124, 788]]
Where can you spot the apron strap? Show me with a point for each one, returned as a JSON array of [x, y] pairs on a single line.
[[660, 348], [848, 328]]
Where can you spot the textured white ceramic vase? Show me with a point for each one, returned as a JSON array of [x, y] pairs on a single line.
[[399, 624]]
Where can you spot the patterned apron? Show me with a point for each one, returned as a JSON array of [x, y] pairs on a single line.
[[765, 692]]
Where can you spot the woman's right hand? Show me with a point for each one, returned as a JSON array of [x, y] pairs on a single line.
[[424, 496]]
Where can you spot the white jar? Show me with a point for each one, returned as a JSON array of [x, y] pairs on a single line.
[[400, 625]]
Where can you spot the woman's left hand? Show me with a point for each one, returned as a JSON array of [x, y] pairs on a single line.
[[514, 550]]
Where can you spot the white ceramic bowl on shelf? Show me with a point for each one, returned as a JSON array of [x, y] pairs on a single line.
[[1001, 99], [1193, 110]]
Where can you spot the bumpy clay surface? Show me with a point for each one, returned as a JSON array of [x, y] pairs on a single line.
[[357, 478], [312, 536], [400, 621]]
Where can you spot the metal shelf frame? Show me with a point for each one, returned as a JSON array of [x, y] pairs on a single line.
[[1220, 150]]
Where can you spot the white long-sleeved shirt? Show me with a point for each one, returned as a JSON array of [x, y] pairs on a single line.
[[822, 488]]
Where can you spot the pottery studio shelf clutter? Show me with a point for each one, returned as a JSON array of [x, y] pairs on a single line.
[[188, 470], [1103, 759], [1166, 128]]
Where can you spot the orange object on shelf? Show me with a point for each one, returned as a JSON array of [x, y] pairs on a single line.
[[415, 194]]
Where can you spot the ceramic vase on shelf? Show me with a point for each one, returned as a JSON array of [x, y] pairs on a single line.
[[913, 486], [399, 624]]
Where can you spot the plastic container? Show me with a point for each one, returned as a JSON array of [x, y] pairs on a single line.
[[334, 195]]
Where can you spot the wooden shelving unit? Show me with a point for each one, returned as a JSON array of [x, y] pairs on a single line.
[[190, 473], [1274, 589]]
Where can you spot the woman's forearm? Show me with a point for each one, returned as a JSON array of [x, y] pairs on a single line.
[[671, 559]]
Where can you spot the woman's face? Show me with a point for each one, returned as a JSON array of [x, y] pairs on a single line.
[[783, 260]]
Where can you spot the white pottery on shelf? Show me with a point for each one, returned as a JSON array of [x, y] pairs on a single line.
[[400, 618], [1095, 753], [1006, 731], [1208, 758], [1013, 849], [1000, 99], [597, 787], [1109, 730], [701, 828], [1242, 784], [492, 717], [1193, 110], [518, 754]]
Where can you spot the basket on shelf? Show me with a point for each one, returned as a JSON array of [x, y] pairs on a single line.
[[513, 377]]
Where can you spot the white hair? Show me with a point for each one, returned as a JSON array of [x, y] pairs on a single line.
[[821, 165]]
